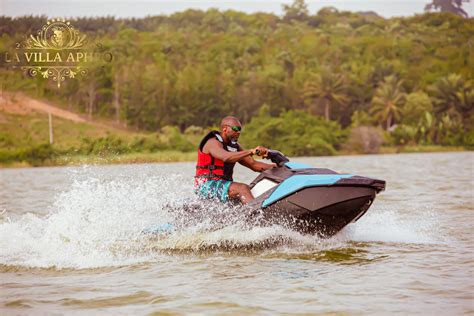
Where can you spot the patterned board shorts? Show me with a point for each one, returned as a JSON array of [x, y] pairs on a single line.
[[214, 189]]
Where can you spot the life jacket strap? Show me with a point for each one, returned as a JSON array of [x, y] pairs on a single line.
[[210, 167], [210, 176]]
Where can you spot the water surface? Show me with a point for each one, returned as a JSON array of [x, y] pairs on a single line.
[[71, 242]]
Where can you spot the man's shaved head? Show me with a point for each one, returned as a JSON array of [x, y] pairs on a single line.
[[227, 129], [230, 120]]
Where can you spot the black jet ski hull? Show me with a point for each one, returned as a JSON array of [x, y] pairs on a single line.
[[311, 200], [319, 210]]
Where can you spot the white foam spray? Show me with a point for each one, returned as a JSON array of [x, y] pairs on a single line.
[[99, 222]]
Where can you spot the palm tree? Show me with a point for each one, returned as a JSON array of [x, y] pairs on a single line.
[[326, 88], [452, 94], [388, 100]]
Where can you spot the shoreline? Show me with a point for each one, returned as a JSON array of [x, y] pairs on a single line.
[[177, 156]]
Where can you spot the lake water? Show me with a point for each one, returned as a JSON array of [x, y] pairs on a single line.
[[71, 242]]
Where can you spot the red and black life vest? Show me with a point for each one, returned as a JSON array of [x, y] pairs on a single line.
[[210, 168]]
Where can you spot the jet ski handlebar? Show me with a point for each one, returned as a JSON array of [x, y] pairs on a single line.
[[275, 156]]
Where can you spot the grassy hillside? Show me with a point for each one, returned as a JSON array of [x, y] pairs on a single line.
[[24, 140], [22, 130]]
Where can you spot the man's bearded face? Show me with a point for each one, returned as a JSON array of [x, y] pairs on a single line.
[[232, 135]]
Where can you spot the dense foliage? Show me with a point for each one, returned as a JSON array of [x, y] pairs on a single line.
[[314, 74], [295, 133]]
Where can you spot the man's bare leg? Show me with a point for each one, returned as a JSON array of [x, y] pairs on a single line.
[[240, 191]]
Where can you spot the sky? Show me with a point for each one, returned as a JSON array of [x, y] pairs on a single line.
[[142, 8]]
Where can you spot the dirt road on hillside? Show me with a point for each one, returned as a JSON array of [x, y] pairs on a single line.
[[18, 103]]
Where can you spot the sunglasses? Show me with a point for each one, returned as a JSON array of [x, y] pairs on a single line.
[[236, 128]]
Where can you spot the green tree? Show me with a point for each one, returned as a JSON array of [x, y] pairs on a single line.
[[298, 10], [326, 89], [453, 6], [417, 104], [387, 101], [294, 133], [453, 94]]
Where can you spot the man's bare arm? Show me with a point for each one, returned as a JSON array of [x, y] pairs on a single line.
[[214, 147], [255, 165]]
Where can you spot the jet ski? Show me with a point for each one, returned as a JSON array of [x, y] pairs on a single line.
[[310, 200]]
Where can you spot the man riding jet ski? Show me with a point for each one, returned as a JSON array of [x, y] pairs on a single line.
[[309, 200], [217, 154]]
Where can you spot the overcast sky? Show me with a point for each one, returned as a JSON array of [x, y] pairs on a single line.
[[142, 8]]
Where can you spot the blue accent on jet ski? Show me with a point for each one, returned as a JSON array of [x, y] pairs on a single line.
[[298, 182], [297, 165]]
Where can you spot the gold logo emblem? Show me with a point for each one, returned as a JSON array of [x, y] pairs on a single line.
[[58, 51]]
